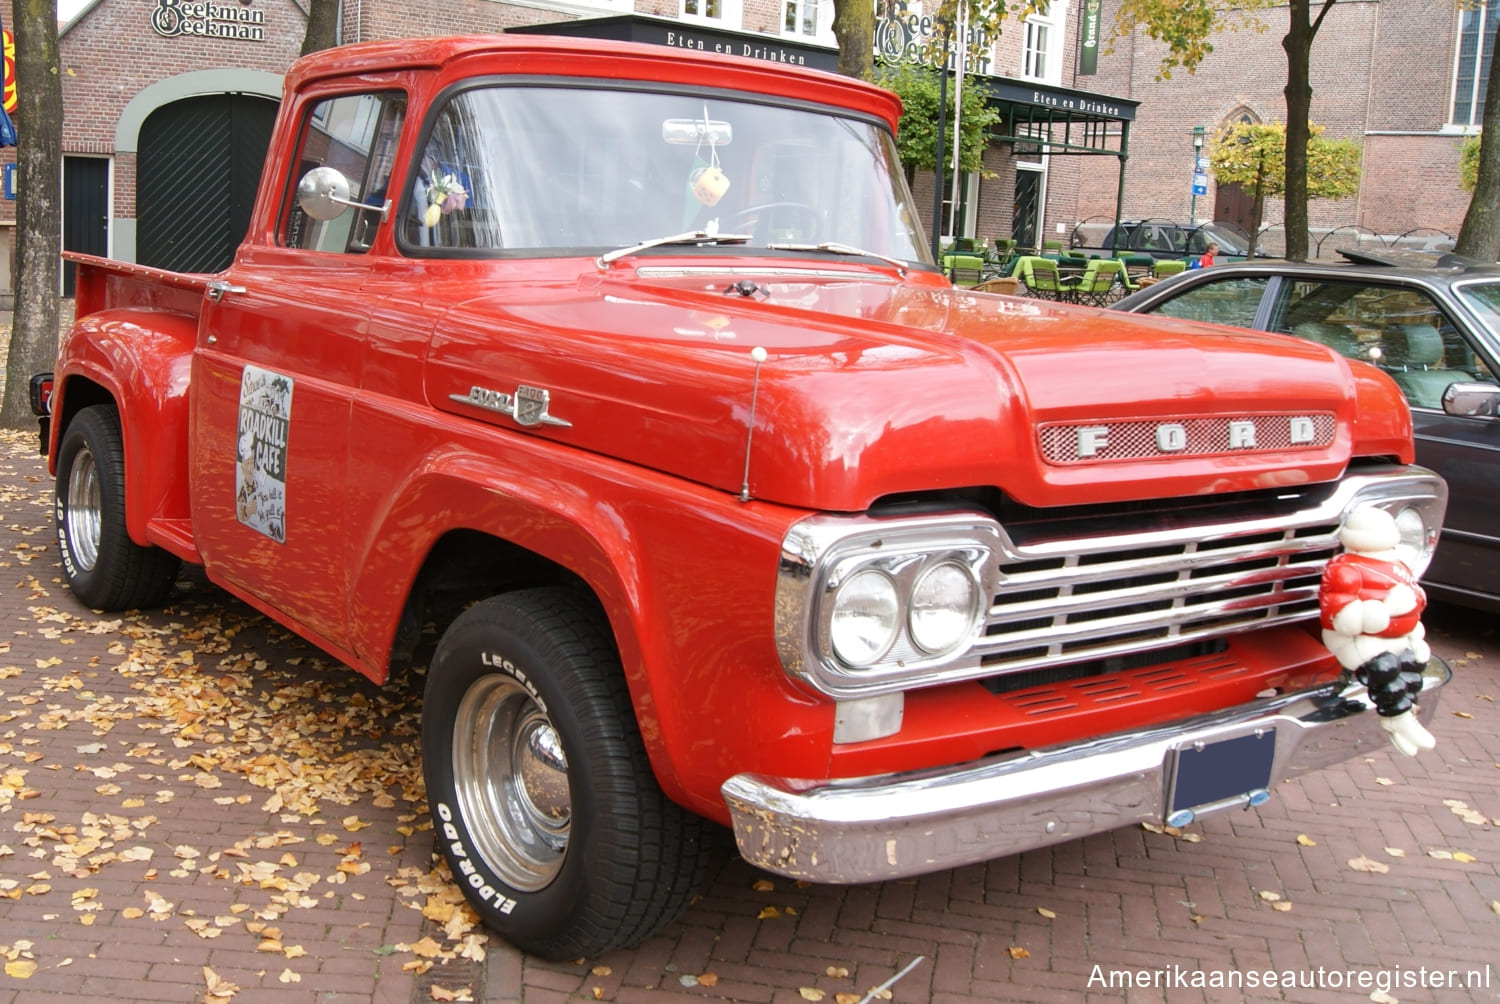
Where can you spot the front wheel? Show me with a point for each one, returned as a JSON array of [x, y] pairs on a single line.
[[544, 803], [105, 568]]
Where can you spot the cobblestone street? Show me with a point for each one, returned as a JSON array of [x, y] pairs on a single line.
[[195, 805]]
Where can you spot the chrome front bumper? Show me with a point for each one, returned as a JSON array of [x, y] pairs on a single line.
[[876, 828]]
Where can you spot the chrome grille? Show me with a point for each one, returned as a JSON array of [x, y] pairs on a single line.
[[1122, 593]]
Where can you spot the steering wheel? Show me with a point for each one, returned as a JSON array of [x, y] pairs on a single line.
[[806, 221]]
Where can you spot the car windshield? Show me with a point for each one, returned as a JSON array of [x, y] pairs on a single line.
[[511, 169], [1483, 298], [1230, 243]]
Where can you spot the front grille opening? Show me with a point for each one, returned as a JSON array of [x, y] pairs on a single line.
[[1118, 610], [1129, 582], [1051, 676], [1015, 627]]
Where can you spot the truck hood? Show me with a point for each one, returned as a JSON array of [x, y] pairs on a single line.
[[872, 387]]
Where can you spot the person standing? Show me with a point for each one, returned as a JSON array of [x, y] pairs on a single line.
[[1207, 258]]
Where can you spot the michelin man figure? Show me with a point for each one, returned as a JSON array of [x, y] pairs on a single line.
[[1371, 609]]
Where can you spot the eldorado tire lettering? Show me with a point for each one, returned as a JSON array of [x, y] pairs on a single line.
[[466, 865]]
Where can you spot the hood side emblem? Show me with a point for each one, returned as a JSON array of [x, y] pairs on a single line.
[[528, 405]]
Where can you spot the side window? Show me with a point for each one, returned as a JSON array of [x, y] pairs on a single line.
[[1401, 330], [1231, 301], [355, 134]]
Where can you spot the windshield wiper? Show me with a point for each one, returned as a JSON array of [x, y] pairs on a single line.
[[833, 247], [691, 237]]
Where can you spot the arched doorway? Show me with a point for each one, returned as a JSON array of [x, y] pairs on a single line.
[[197, 169], [1232, 203]]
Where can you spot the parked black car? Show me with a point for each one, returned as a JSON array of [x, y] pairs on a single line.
[[1162, 239], [1432, 322]]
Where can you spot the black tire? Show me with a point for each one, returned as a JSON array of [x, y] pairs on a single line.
[[543, 801], [105, 568]]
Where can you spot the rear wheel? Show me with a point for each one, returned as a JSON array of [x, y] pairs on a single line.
[[105, 568], [545, 806]]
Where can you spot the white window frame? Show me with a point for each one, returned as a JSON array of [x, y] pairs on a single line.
[[729, 17], [824, 34], [1483, 17], [1051, 25]]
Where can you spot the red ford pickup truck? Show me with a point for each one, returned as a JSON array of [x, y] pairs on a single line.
[[626, 367]]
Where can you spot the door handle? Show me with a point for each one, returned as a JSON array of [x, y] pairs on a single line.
[[218, 287]]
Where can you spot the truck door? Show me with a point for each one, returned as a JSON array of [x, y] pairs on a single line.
[[279, 354]]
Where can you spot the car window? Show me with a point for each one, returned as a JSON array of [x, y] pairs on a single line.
[[1400, 329], [1229, 301], [357, 134]]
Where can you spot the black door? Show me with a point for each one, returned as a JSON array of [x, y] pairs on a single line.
[[1023, 219], [196, 173], [85, 216]]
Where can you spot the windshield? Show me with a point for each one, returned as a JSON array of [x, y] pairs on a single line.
[[570, 170], [1483, 298]]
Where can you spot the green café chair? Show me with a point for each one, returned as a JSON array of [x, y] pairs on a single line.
[[1168, 266], [1039, 276], [1097, 284], [964, 269]]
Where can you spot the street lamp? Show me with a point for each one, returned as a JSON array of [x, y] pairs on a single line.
[[1197, 153]]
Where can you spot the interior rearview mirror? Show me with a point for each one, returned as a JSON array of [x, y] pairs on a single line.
[[691, 132]]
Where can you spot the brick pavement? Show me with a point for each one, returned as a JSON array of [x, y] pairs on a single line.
[[193, 801]]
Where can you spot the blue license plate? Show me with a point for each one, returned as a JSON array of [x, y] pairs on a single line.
[[1222, 770]]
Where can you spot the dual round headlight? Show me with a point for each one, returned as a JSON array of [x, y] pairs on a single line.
[[1418, 539], [920, 612]]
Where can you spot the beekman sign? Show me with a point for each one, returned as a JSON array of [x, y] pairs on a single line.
[[907, 37], [236, 22]]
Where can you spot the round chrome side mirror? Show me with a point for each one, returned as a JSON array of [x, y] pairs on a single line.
[[323, 193]]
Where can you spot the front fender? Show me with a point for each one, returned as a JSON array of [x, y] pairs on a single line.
[[142, 359], [685, 575]]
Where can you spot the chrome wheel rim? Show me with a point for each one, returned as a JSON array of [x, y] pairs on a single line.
[[82, 519], [510, 776]]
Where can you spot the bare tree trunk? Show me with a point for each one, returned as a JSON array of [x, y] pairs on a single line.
[[1298, 45], [322, 26], [33, 339], [854, 27], [1480, 236], [1258, 213]]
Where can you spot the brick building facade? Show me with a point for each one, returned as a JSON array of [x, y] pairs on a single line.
[[1382, 74], [145, 81]]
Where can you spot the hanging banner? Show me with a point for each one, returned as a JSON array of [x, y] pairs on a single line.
[[1088, 48]]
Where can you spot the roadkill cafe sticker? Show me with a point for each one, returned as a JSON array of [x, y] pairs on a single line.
[[260, 459]]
